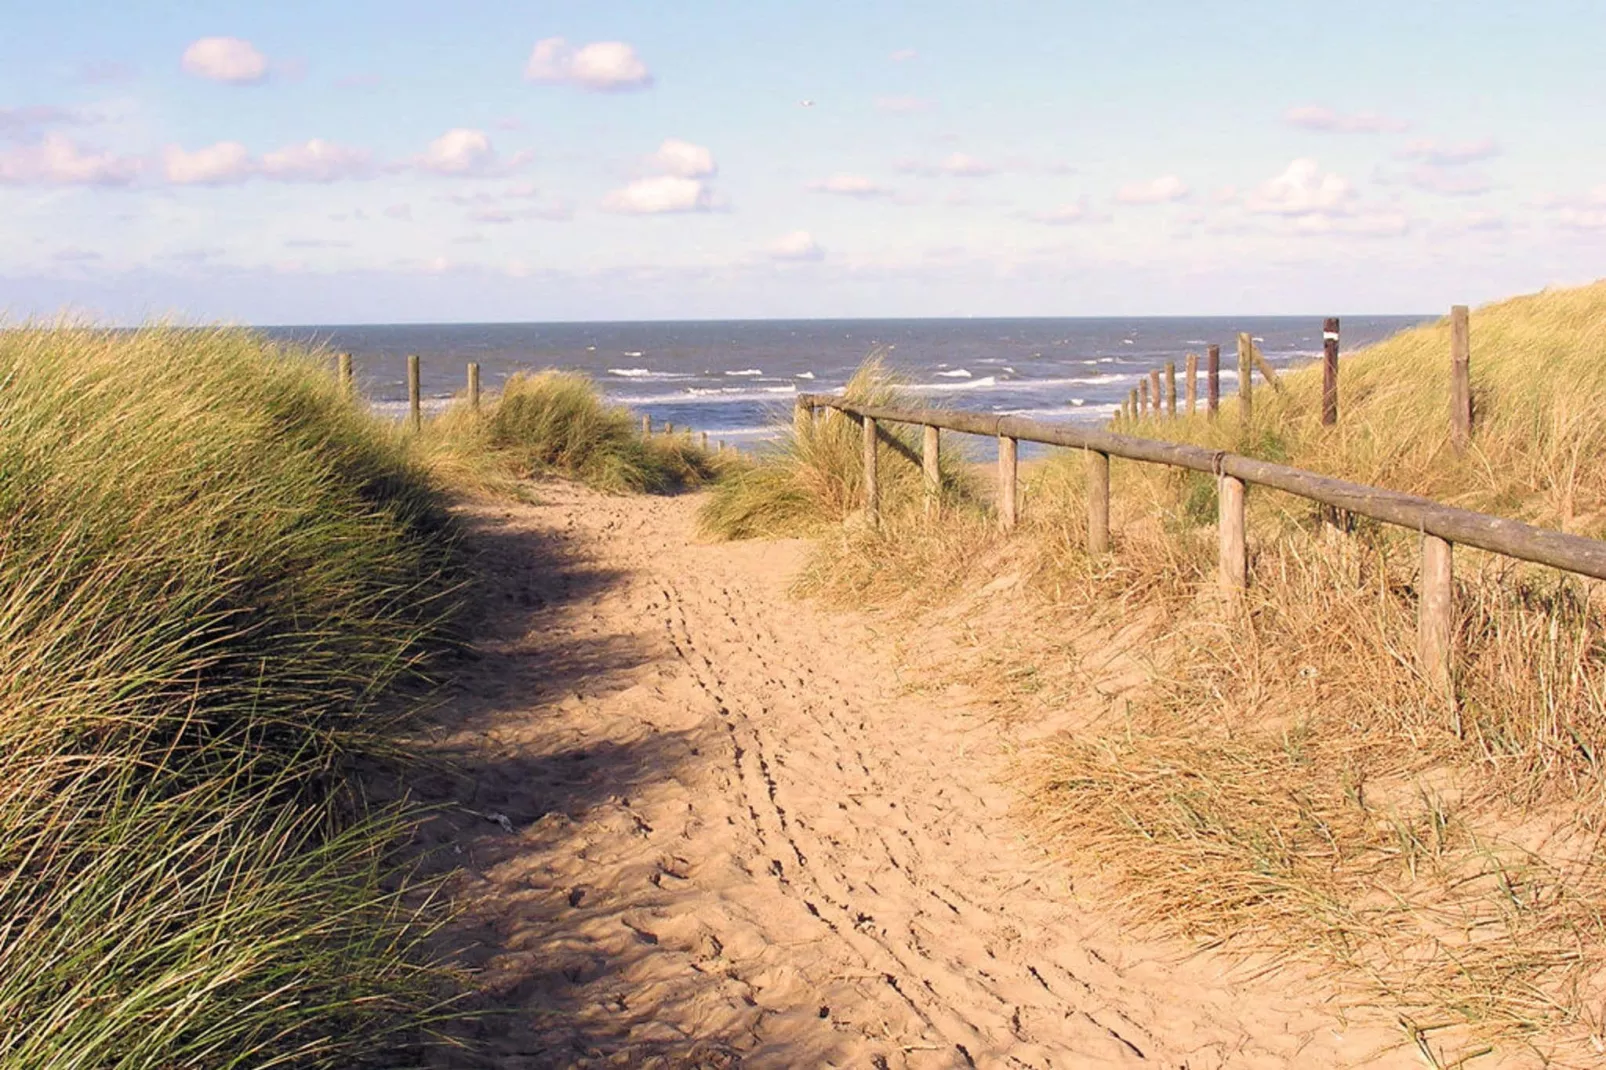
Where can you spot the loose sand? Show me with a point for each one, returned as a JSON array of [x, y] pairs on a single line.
[[701, 823]]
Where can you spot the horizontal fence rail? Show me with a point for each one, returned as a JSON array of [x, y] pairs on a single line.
[[1440, 525]]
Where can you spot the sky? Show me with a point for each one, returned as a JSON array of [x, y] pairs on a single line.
[[368, 162]]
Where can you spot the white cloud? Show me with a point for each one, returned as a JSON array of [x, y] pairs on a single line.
[[904, 55], [1161, 190], [458, 152], [15, 122], [902, 105], [602, 66], [963, 166], [1328, 121], [1064, 215], [316, 161], [226, 59], [55, 160], [1385, 224], [214, 165], [1437, 155], [676, 157], [847, 185], [1302, 189], [1454, 182], [660, 195], [798, 245]]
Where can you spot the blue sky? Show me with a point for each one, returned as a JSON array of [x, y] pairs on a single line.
[[304, 162]]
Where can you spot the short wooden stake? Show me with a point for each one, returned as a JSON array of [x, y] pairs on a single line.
[[1246, 377], [1460, 377], [646, 427], [343, 372], [1190, 378], [1171, 389], [1098, 502], [1132, 403], [872, 487], [1143, 396], [1007, 472], [669, 429], [1230, 519], [415, 409], [721, 445], [1330, 371], [474, 385], [1435, 613], [1212, 380], [1154, 391], [705, 441], [931, 465]]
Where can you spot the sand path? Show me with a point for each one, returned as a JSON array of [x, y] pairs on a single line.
[[701, 825]]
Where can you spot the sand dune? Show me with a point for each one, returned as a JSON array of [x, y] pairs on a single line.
[[703, 824]]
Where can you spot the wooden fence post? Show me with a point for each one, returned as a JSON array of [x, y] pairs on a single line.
[[1098, 502], [1435, 613], [1212, 380], [1132, 403], [931, 464], [474, 385], [872, 487], [415, 414], [669, 429], [1154, 391], [1171, 389], [705, 441], [646, 427], [343, 372], [1007, 471], [1191, 378], [1230, 519], [1330, 372], [1460, 377], [1246, 377], [1143, 395]]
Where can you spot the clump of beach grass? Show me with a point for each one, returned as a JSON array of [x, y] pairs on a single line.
[[1285, 780], [556, 423], [218, 578]]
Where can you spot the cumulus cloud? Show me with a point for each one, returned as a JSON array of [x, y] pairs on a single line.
[[316, 161], [902, 105], [459, 152], [660, 195], [602, 66], [1449, 155], [1161, 190], [1303, 188], [214, 165], [799, 245], [1328, 121], [55, 160], [17, 122], [226, 59], [847, 185], [676, 157]]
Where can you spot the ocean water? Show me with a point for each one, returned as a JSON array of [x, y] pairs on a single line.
[[736, 379]]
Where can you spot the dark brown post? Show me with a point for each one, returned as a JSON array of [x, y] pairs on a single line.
[[1171, 389], [705, 441], [343, 366], [474, 385], [931, 465], [1191, 378], [1098, 502], [1330, 372], [1246, 377], [1460, 377], [1436, 614], [1007, 470], [415, 413], [1212, 380], [872, 486]]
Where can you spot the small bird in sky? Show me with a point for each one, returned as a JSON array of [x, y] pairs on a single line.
[[806, 103]]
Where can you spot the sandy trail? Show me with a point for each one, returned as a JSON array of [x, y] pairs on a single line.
[[701, 825]]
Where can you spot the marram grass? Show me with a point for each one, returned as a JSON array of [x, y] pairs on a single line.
[[215, 573]]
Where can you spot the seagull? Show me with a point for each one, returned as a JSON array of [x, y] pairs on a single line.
[[806, 103]]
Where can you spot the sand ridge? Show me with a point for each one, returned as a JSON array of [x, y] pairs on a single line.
[[700, 823]]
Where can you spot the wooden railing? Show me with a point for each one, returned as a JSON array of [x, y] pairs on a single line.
[[1441, 526]]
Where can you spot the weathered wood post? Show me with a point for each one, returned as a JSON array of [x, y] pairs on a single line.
[[474, 385], [1143, 396], [872, 486], [1098, 502], [1246, 377], [646, 427], [669, 429], [1230, 519], [1212, 380], [1460, 377], [1435, 613], [1190, 376], [1154, 391], [1171, 389], [931, 465], [1330, 372], [343, 372], [1007, 471], [705, 441], [415, 411], [1132, 403]]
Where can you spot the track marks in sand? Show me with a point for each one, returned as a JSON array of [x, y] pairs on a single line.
[[735, 841]]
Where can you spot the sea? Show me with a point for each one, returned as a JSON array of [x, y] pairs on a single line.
[[735, 379]]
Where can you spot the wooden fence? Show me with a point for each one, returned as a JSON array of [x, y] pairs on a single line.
[[1441, 526]]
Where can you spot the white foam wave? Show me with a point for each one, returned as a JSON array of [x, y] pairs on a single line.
[[747, 371], [705, 395], [633, 353], [966, 384], [957, 373], [804, 375], [645, 373]]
